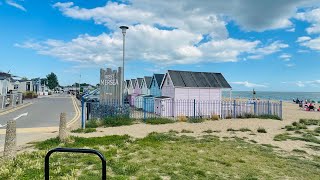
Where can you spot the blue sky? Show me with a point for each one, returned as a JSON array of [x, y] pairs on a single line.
[[255, 44]]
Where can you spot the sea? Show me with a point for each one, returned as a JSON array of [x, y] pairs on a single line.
[[272, 95]]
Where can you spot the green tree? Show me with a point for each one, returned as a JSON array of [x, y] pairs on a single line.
[[52, 81]]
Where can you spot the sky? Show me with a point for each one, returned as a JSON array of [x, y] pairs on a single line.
[[265, 45]]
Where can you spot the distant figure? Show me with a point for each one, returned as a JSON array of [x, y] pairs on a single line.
[[297, 101], [311, 106]]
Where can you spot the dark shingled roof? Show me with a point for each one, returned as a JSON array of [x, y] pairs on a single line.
[[133, 82], [159, 78], [198, 79], [139, 81], [128, 83], [147, 79]]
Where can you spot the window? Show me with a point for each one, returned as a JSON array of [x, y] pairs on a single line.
[[15, 86]]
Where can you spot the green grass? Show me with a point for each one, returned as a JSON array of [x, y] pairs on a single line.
[[309, 122], [159, 156], [209, 131], [305, 137], [295, 126], [299, 151], [110, 122], [317, 130], [87, 130], [269, 116], [244, 129], [158, 121]]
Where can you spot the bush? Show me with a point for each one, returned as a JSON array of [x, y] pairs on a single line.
[[261, 130], [215, 117], [182, 118], [117, 121], [159, 121], [230, 129], [309, 122], [317, 130], [195, 120]]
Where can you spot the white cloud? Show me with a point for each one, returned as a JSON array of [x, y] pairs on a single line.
[[16, 5], [312, 83], [303, 38], [274, 47], [249, 85], [313, 44], [312, 17], [285, 57]]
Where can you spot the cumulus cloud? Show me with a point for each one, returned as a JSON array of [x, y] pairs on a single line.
[[312, 83], [303, 38], [16, 5], [312, 17], [313, 44], [249, 84], [274, 47]]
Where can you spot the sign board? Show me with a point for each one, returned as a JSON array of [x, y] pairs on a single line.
[[110, 85]]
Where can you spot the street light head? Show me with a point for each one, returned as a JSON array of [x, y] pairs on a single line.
[[124, 28]]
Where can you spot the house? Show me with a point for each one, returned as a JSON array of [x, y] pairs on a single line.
[[4, 83], [184, 93], [25, 85], [145, 86], [155, 85], [137, 86], [132, 95]]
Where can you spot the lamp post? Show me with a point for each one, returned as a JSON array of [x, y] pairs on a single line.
[[124, 29]]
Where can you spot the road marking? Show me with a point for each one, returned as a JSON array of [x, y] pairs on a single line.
[[33, 130], [24, 114], [77, 115], [14, 109]]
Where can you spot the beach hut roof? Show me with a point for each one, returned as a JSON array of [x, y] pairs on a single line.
[[197, 79], [158, 78], [128, 83], [147, 79], [133, 81], [139, 82]]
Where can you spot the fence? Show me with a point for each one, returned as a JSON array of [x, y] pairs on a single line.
[[10, 100], [168, 108]]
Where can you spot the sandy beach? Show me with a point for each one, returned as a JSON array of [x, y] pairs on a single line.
[[291, 113]]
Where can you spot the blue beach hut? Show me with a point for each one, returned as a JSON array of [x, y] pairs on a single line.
[[155, 89]]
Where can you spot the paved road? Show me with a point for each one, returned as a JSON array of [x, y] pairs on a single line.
[[44, 112]]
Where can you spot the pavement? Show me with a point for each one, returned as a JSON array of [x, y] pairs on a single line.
[[42, 118]]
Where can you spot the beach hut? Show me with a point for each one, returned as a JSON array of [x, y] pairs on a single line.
[[145, 86], [163, 106], [193, 93], [138, 101], [131, 89], [155, 85], [148, 103]]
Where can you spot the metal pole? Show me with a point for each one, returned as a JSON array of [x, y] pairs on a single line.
[[122, 78]]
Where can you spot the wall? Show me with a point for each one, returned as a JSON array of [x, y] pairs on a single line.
[[137, 89], [167, 88], [154, 89], [4, 86]]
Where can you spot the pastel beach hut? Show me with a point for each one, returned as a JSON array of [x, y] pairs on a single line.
[[187, 93], [155, 89], [131, 90], [138, 102]]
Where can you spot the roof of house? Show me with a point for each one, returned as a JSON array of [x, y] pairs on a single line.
[[128, 83], [139, 81], [158, 78], [147, 79], [133, 82], [198, 79], [6, 75]]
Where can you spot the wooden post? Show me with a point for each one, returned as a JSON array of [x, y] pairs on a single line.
[[10, 141], [63, 134]]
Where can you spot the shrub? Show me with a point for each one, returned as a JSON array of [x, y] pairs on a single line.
[[195, 120], [159, 121], [282, 137], [117, 121], [248, 115], [261, 130], [29, 95], [182, 118], [215, 117], [186, 131]]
